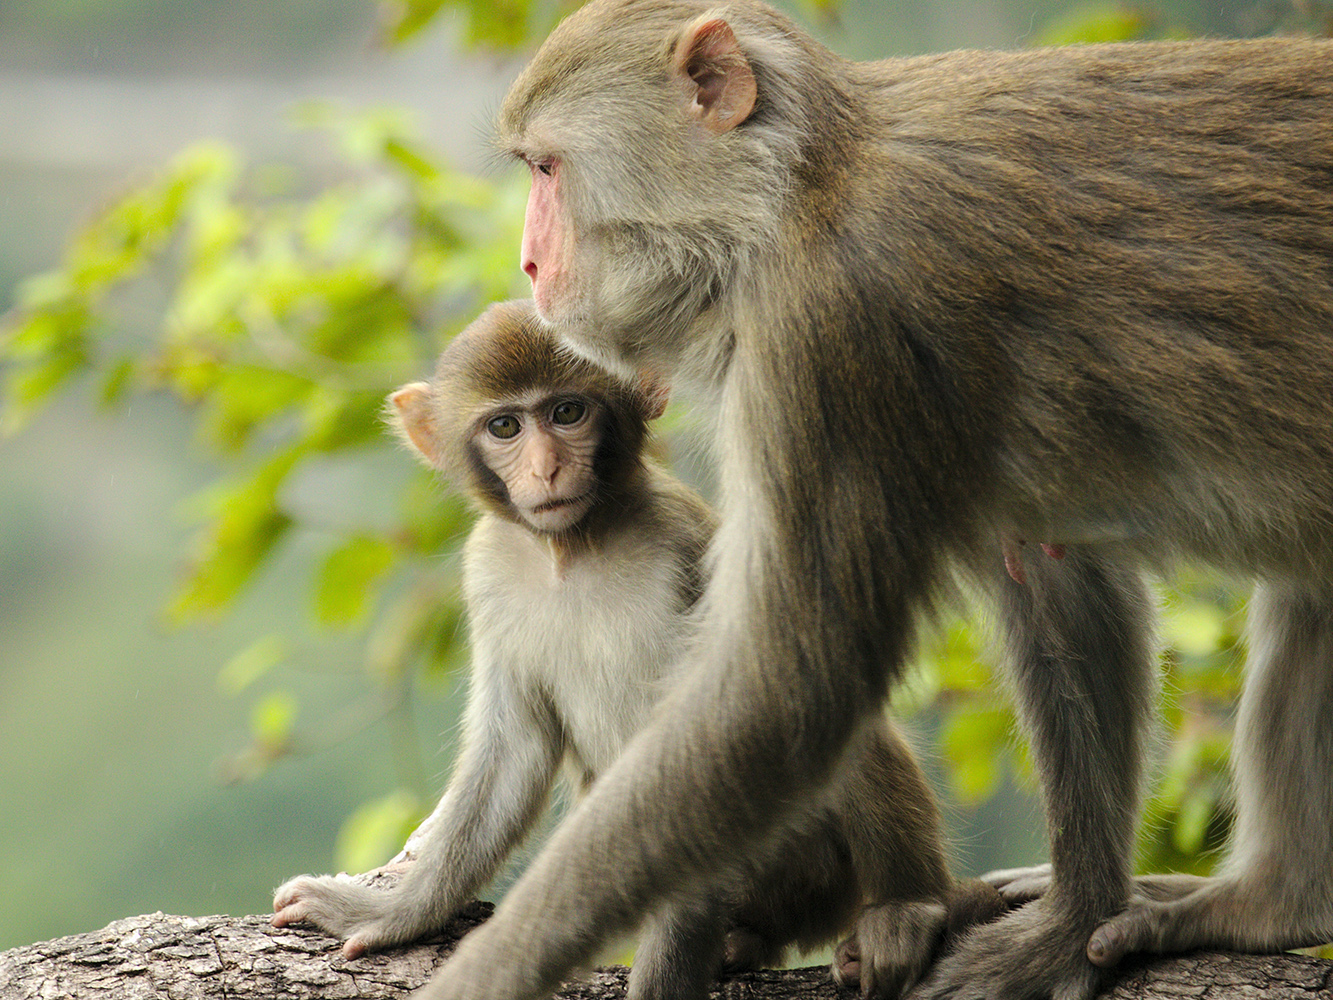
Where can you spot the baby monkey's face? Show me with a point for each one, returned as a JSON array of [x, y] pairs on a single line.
[[542, 446]]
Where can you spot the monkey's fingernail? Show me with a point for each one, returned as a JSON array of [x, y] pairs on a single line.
[[1100, 948]]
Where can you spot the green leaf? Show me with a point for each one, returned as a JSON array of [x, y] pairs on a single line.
[[333, 419], [122, 239], [1092, 23], [117, 381], [272, 719], [27, 389], [209, 301], [411, 159], [406, 18], [42, 292], [191, 372], [252, 663], [55, 326], [248, 524], [244, 396], [220, 575], [347, 580], [975, 741], [961, 665], [218, 226], [500, 23], [362, 320]]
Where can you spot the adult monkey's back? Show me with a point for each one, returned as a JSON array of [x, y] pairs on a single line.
[[1082, 297]]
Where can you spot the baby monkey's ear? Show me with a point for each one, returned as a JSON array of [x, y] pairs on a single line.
[[410, 415], [656, 395]]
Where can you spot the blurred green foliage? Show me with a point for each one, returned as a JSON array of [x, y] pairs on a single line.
[[285, 312], [284, 309], [1088, 24], [495, 23]]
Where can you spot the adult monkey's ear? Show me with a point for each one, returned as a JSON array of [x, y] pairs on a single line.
[[718, 81]]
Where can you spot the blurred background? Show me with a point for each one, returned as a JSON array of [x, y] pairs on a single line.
[[229, 638]]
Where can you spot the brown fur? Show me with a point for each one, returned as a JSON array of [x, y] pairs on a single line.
[[1079, 296]]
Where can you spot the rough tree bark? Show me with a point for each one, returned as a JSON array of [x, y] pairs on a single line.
[[193, 958]]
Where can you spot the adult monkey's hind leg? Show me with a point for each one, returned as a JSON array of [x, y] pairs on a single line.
[[914, 905], [1079, 644], [1276, 889]]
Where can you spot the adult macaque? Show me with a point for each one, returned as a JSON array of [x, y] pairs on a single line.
[[579, 579], [1081, 297]]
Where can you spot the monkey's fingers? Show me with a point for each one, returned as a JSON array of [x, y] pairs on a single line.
[[356, 946], [351, 912], [846, 966], [1129, 932], [1028, 952], [1020, 885], [297, 898], [282, 918], [875, 980], [971, 902], [287, 902], [891, 949], [298, 911], [851, 973], [293, 913]]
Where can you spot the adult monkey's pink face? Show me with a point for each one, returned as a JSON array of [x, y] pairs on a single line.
[[632, 181], [545, 251]]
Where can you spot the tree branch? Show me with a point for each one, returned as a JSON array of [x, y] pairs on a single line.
[[237, 958]]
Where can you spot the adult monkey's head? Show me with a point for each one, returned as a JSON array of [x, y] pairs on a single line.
[[661, 157]]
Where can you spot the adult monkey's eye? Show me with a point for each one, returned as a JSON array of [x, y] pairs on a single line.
[[546, 167], [503, 427], [570, 411]]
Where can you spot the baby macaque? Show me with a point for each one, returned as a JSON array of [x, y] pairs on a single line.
[[580, 579]]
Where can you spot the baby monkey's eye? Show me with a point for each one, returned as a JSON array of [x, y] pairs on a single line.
[[570, 411], [503, 427]]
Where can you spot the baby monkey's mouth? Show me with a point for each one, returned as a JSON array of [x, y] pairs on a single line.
[[542, 508]]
